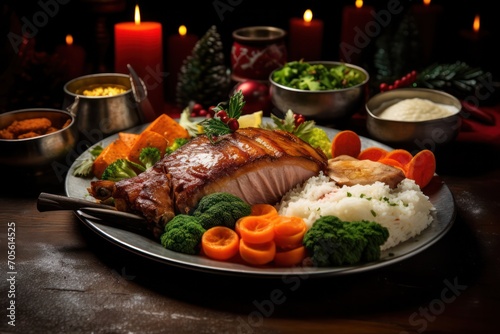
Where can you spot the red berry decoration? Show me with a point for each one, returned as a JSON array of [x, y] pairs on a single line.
[[404, 81], [233, 124]]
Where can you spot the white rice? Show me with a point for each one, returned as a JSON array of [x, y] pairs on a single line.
[[405, 211]]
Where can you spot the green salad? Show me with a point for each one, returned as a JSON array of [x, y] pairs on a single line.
[[307, 76]]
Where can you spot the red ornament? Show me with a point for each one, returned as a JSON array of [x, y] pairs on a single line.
[[256, 96]]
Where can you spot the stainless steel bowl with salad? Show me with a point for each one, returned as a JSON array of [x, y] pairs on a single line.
[[324, 91]]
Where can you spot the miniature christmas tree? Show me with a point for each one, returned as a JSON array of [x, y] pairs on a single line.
[[397, 51], [204, 78]]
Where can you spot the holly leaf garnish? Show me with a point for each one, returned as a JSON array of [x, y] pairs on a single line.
[[226, 116], [289, 124]]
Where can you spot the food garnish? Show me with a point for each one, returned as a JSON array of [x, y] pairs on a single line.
[[302, 128], [83, 167], [226, 117]]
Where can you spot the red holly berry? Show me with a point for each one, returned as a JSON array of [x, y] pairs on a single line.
[[197, 107], [222, 114], [233, 124]]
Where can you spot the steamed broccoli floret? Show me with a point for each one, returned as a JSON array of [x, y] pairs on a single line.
[[333, 242], [221, 209], [183, 234], [319, 138], [121, 169], [149, 156], [176, 144]]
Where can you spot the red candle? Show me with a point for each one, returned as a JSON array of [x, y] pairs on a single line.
[[353, 36], [140, 45], [73, 57], [179, 47], [475, 42], [426, 18], [306, 38]]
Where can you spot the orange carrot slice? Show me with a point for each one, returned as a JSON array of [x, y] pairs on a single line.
[[401, 155], [421, 167], [291, 257], [289, 232], [255, 229], [220, 243], [372, 153], [266, 210], [346, 142], [392, 162], [257, 254]]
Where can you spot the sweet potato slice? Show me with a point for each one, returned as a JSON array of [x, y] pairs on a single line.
[[147, 138], [128, 138], [168, 128], [118, 149]]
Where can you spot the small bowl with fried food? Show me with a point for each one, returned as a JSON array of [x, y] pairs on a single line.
[[35, 138]]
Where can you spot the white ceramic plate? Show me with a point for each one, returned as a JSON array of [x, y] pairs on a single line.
[[439, 194]]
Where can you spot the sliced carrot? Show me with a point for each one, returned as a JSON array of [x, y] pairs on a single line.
[[255, 229], [291, 257], [257, 254], [422, 167], [346, 142], [220, 243], [392, 162], [401, 155], [289, 232], [266, 210], [372, 153]]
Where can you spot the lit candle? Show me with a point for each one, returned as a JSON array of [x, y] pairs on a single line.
[[179, 47], [306, 38], [475, 42], [140, 45], [426, 18], [73, 57], [353, 38]]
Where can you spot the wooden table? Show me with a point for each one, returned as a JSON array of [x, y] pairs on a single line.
[[68, 279]]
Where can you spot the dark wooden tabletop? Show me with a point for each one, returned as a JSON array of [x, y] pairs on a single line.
[[68, 279]]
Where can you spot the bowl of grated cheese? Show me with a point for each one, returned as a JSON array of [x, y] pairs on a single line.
[[414, 118]]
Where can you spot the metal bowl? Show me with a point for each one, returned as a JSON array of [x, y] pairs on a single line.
[[100, 116], [322, 105], [38, 152], [428, 134]]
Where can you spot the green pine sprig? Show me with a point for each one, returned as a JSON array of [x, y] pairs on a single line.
[[215, 126]]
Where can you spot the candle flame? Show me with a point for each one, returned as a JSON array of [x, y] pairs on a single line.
[[359, 3], [137, 15], [308, 15], [476, 24], [182, 30], [69, 39], [427, 2]]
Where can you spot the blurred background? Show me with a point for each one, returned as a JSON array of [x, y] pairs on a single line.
[[36, 78]]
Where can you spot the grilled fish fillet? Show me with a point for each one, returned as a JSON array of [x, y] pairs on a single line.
[[257, 165]]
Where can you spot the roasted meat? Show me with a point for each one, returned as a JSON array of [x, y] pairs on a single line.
[[348, 171], [257, 165]]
